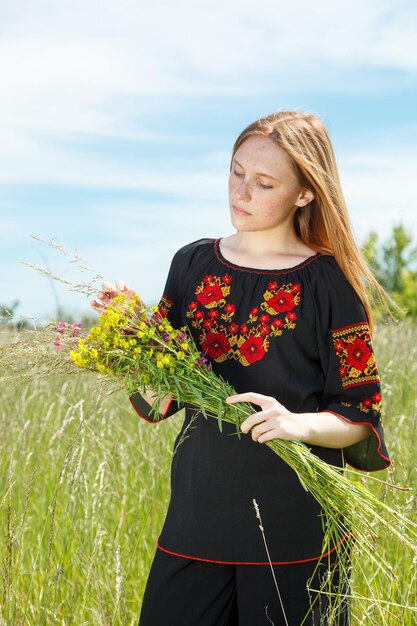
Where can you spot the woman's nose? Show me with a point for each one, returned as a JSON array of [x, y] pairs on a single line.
[[242, 190]]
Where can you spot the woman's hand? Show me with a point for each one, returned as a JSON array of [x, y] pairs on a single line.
[[321, 428], [109, 292], [273, 422]]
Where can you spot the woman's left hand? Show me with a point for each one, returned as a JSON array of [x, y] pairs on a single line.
[[273, 422]]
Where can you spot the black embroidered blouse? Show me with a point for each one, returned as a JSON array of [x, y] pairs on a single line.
[[299, 335]]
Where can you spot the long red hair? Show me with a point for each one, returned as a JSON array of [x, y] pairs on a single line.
[[323, 224]]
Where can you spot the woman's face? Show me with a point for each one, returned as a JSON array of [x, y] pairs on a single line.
[[264, 192]]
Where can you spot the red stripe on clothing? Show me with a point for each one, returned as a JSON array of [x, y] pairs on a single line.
[[197, 558], [148, 420], [389, 462]]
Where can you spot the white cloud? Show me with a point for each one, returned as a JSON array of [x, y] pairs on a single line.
[[76, 69], [379, 189], [65, 64]]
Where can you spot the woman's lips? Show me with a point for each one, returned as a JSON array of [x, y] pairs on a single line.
[[239, 211]]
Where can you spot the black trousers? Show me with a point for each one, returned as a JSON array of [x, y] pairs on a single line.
[[185, 592]]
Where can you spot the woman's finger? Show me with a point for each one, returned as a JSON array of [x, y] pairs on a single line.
[[109, 292], [108, 287], [264, 427], [127, 290], [251, 396], [121, 285], [97, 306], [256, 418]]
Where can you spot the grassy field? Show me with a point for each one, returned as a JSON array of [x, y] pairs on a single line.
[[85, 485]]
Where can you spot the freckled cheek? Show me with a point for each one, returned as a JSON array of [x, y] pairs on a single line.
[[271, 209], [277, 206], [233, 187]]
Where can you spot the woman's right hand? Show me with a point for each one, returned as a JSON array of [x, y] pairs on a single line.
[[109, 292]]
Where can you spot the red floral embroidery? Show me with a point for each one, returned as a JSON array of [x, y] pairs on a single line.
[[282, 301], [216, 345], [246, 342], [354, 350], [210, 295], [358, 354], [212, 290], [163, 307], [369, 404], [252, 349]]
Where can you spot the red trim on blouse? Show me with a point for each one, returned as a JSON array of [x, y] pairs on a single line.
[[389, 462], [197, 558], [148, 420], [224, 261]]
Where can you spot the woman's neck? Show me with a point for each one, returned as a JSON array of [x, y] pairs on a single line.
[[262, 244], [259, 249]]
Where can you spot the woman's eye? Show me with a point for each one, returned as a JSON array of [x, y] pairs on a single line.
[[239, 174]]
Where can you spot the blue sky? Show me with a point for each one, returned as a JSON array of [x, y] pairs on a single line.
[[117, 120]]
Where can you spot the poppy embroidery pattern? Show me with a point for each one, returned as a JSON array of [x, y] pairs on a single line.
[[354, 350], [222, 338], [369, 404]]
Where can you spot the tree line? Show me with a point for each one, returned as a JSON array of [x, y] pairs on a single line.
[[394, 264]]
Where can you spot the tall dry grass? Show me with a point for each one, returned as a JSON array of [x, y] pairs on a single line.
[[85, 484]]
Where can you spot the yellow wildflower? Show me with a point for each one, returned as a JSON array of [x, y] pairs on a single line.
[[78, 359]]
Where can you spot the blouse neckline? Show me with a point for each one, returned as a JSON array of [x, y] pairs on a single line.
[[254, 270]]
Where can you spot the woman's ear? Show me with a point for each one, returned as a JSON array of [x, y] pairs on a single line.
[[305, 196]]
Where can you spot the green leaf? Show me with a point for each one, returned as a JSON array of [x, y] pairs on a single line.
[[200, 398], [178, 389], [219, 415]]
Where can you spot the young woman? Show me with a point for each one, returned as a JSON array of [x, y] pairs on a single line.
[[280, 310]]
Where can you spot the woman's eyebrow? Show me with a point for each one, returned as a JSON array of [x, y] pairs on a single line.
[[259, 173]]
